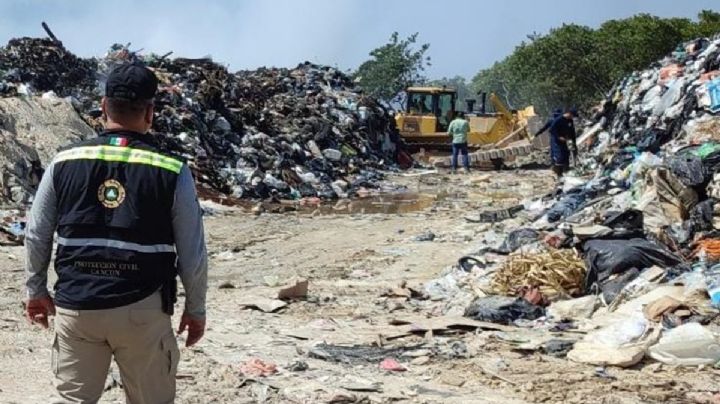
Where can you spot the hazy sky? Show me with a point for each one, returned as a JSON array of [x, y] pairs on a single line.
[[465, 35]]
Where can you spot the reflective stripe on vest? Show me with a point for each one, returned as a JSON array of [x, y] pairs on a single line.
[[122, 245], [121, 154]]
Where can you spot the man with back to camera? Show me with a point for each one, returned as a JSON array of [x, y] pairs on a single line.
[[128, 221], [458, 131]]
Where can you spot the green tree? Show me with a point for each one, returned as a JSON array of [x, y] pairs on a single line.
[[575, 65], [709, 23], [393, 66]]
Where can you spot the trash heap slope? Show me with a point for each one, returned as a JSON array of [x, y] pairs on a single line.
[[287, 133], [627, 248]]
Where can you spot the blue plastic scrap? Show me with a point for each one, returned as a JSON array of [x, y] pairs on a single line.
[[714, 90]]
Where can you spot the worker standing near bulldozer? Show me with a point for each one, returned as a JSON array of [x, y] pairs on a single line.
[[458, 130], [555, 115], [562, 133], [128, 222]]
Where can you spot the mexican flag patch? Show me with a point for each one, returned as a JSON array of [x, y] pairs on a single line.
[[119, 141]]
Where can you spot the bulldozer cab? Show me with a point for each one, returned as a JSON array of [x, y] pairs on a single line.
[[432, 102]]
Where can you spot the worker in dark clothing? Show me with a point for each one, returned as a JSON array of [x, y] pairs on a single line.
[[562, 133], [555, 115], [128, 223]]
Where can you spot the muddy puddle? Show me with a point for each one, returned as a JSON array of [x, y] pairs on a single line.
[[430, 192], [386, 203], [405, 202]]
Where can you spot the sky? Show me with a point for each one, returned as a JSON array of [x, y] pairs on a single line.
[[464, 35]]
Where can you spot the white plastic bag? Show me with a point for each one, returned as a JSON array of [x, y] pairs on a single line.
[[687, 345], [620, 333]]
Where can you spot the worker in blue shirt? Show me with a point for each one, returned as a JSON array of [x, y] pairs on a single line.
[[562, 132], [555, 115]]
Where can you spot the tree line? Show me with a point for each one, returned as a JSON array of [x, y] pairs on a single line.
[[572, 65]]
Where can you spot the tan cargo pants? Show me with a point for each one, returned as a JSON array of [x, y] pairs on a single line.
[[139, 336]]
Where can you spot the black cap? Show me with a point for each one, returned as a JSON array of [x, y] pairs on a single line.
[[131, 82]]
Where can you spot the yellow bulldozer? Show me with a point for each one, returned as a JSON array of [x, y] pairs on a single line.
[[493, 135]]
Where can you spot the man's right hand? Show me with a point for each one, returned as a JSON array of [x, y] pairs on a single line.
[[194, 326], [38, 310]]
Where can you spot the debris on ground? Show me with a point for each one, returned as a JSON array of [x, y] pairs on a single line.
[[558, 273], [503, 310], [392, 365], [357, 353], [298, 290], [12, 227], [256, 367]]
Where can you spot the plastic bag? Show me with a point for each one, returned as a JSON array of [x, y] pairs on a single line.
[[687, 345], [652, 140], [517, 239], [688, 169], [623, 343], [573, 309], [503, 310], [630, 219], [620, 333], [607, 257], [693, 281], [612, 288], [670, 97], [446, 286]]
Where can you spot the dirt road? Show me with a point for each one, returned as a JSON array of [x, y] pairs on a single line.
[[351, 261]]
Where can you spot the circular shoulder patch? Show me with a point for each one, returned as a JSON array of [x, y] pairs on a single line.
[[111, 194]]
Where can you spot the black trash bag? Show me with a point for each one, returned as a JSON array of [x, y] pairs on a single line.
[[517, 239], [652, 140], [700, 220], [607, 257], [612, 288], [701, 215], [630, 219], [503, 310], [677, 270], [558, 347], [689, 169], [712, 163], [467, 263]]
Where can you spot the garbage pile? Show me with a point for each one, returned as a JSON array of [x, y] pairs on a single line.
[[38, 65], [269, 133], [627, 249]]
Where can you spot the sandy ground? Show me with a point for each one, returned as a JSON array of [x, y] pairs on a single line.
[[351, 260]]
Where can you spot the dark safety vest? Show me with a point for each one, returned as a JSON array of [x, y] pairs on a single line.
[[115, 195]]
